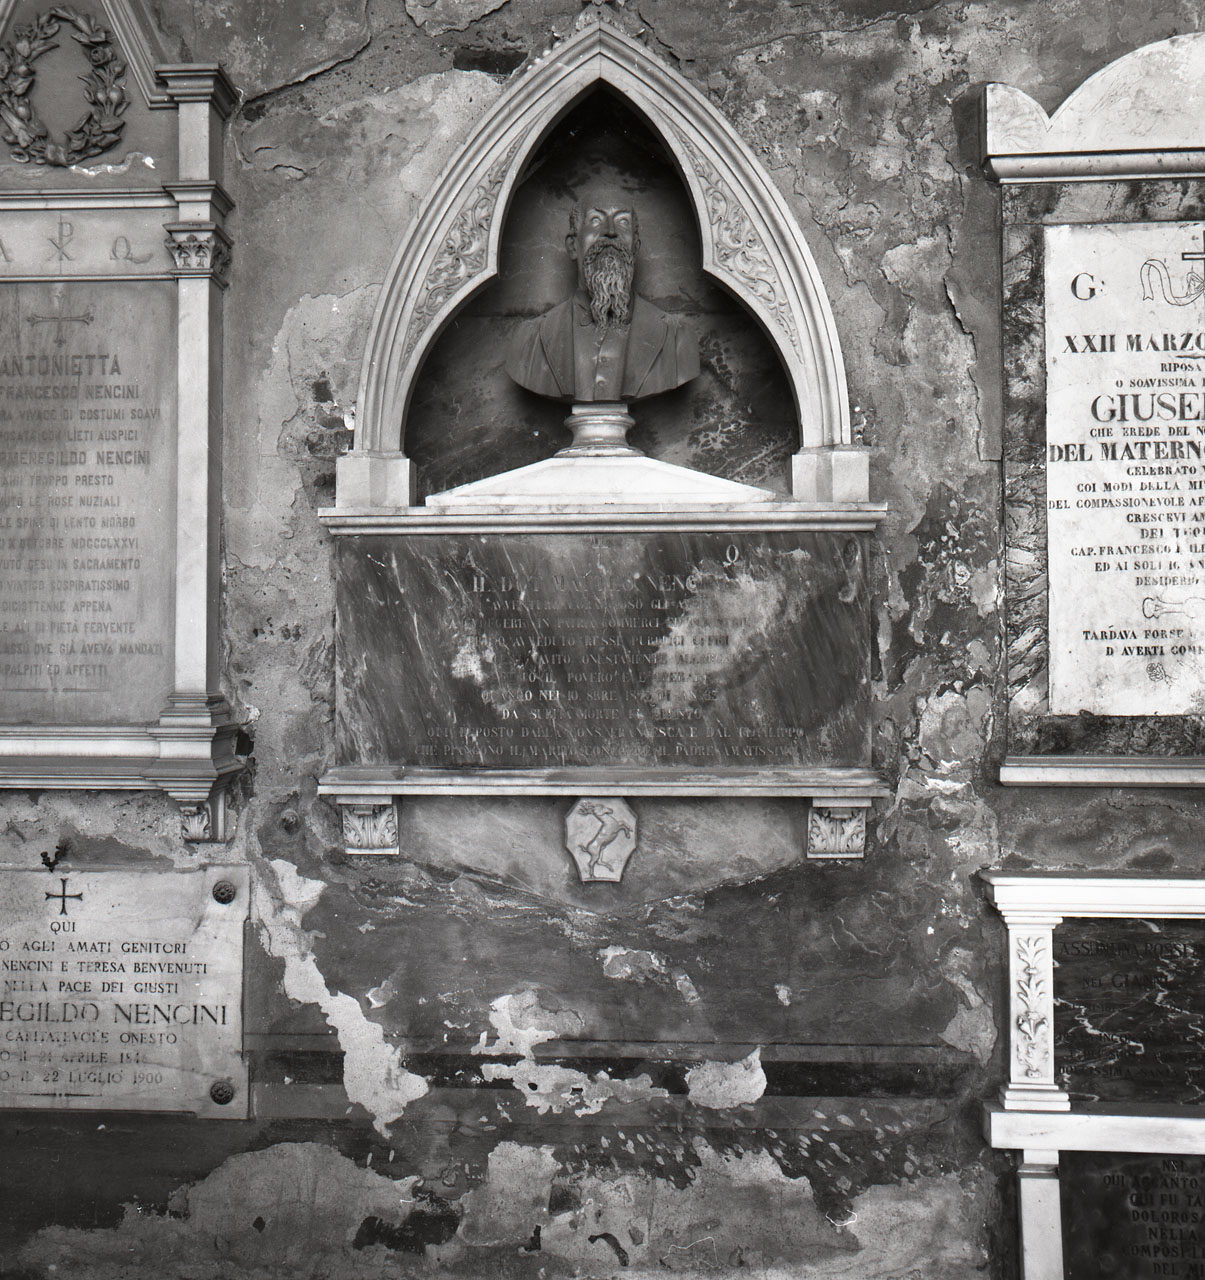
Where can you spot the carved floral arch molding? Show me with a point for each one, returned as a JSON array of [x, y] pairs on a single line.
[[750, 243]]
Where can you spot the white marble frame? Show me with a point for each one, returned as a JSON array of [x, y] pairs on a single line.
[[1034, 1116], [1138, 117], [189, 751], [751, 243]]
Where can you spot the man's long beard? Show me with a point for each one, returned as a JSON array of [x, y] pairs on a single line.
[[608, 271]]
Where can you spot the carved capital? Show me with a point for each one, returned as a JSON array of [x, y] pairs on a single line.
[[198, 249], [835, 832], [370, 828]]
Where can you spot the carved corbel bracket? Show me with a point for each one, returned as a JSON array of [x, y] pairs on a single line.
[[207, 821], [836, 830], [369, 827]]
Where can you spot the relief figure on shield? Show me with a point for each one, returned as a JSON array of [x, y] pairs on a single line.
[[605, 344]]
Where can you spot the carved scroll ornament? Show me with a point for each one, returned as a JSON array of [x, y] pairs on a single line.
[[1032, 1041], [463, 254], [739, 250]]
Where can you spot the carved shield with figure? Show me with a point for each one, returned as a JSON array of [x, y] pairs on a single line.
[[600, 833]]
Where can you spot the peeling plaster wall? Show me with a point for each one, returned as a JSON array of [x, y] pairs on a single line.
[[465, 1066]]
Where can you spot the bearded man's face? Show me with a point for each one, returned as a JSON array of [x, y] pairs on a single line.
[[604, 242]]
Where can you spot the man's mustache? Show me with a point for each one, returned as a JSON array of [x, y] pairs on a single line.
[[607, 242]]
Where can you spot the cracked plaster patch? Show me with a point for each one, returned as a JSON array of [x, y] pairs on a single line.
[[736, 1210], [373, 1075], [631, 965], [628, 964], [438, 16], [293, 1207], [955, 727], [548, 1087], [522, 1022], [719, 1085], [318, 335], [973, 1027]]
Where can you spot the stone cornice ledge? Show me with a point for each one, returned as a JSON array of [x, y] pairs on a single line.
[[1102, 771], [1163, 1129], [853, 786], [763, 517], [1139, 117], [1052, 896]]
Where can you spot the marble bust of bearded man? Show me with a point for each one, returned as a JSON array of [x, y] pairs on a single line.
[[605, 343]]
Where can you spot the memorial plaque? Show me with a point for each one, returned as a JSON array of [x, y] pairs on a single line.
[[1130, 1010], [1133, 1217], [122, 990], [1125, 477], [87, 500], [659, 648]]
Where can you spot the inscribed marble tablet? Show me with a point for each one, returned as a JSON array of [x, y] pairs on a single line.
[[1125, 473], [122, 990]]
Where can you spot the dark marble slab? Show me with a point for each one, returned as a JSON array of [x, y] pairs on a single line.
[[649, 648], [1130, 1010], [1132, 1217]]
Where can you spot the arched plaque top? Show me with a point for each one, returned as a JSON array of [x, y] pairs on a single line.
[[1139, 117], [750, 241]]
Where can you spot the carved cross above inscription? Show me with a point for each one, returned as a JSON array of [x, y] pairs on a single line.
[[59, 318], [62, 896]]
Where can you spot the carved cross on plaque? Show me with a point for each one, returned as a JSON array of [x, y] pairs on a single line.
[[1196, 257], [58, 319], [62, 896]]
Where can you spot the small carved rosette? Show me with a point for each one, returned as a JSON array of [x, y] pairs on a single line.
[[600, 833]]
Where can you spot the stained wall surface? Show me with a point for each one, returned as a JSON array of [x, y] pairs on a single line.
[[736, 1061]]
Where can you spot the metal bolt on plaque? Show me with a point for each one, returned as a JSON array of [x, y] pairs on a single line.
[[222, 1092], [224, 892]]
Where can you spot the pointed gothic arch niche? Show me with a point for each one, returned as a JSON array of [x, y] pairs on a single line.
[[468, 420], [749, 242]]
